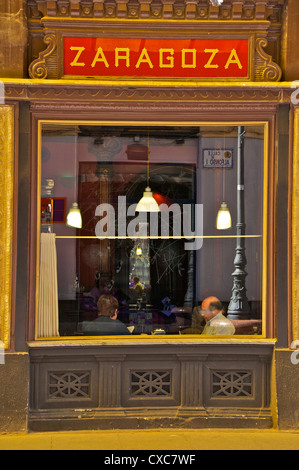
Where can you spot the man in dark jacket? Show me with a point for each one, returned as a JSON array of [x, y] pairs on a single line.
[[106, 323]]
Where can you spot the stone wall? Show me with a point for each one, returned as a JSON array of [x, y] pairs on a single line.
[[14, 386]]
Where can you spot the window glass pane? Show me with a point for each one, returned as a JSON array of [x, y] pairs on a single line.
[[160, 266]]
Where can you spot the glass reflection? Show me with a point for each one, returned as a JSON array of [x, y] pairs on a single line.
[[158, 283]]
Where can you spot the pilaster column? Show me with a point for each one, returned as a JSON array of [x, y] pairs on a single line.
[[6, 218], [13, 39], [295, 231]]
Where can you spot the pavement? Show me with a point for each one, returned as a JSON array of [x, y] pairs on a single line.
[[123, 442]]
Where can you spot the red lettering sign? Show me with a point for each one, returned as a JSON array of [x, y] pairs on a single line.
[[157, 58]]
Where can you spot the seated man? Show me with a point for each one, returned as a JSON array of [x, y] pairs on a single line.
[[138, 287], [216, 322], [106, 323]]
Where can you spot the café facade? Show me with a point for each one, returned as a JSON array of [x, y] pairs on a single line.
[[194, 105]]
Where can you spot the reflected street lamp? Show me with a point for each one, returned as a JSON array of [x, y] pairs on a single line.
[[238, 308]]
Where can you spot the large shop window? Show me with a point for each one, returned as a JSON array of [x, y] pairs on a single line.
[[160, 266]]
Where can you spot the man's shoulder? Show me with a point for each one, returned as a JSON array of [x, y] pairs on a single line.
[[105, 325], [223, 323]]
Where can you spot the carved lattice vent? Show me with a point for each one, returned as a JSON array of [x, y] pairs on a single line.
[[151, 383], [232, 384], [66, 385]]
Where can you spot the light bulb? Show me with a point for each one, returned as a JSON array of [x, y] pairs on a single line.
[[138, 251]]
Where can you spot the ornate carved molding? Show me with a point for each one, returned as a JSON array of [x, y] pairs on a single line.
[[93, 95], [156, 9], [168, 110], [6, 218]]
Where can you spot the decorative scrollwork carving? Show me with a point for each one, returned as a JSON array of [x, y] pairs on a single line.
[[265, 68], [39, 67]]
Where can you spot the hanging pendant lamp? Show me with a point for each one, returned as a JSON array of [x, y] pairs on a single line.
[[74, 218], [223, 221], [147, 203]]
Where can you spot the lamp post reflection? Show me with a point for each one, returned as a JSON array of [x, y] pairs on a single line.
[[239, 308]]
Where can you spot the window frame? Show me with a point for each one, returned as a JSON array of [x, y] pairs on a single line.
[[267, 233]]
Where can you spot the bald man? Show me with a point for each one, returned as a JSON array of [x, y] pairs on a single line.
[[208, 301], [216, 322]]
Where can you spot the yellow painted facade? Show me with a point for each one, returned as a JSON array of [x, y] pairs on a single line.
[[7, 156]]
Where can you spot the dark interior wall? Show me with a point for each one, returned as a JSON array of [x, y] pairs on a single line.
[[282, 287], [22, 230]]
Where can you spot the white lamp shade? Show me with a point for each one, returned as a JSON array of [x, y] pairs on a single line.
[[74, 218], [223, 221], [147, 203]]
